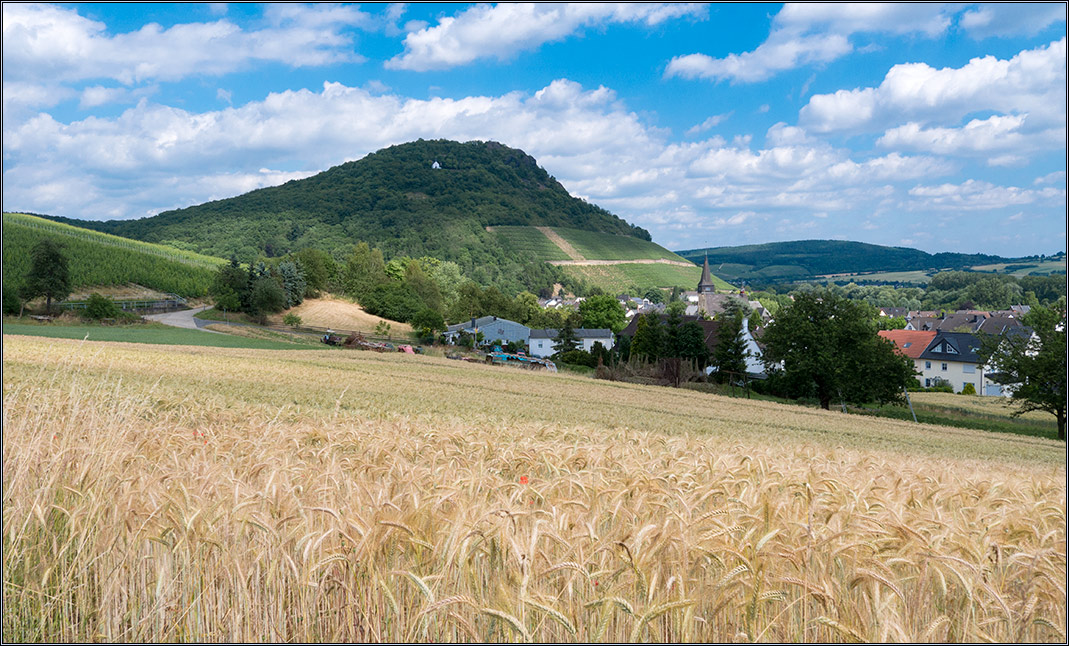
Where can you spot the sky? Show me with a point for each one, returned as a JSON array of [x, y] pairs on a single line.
[[938, 127]]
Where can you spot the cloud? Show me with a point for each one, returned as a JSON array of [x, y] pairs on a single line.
[[979, 137], [502, 31], [709, 123], [980, 195], [51, 42], [811, 33], [153, 157], [1032, 83], [1011, 19]]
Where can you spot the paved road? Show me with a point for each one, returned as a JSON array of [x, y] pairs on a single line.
[[183, 319]]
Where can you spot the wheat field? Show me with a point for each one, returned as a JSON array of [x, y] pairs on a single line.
[[155, 493]]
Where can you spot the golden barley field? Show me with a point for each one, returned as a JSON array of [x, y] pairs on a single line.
[[155, 493]]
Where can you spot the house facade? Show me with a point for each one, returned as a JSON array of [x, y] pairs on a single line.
[[543, 342], [951, 358]]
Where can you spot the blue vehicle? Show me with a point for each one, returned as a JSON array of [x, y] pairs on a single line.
[[498, 357]]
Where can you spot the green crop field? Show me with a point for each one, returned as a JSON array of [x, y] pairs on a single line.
[[101, 259], [530, 240], [147, 334], [606, 246]]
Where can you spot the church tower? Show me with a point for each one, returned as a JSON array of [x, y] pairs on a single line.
[[705, 285]]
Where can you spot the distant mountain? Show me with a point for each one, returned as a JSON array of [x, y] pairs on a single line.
[[805, 259]]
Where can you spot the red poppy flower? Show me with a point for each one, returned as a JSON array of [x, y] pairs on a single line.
[[523, 479]]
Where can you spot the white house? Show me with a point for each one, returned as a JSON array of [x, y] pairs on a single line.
[[543, 341]]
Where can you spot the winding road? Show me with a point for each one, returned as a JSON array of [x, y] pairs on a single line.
[[183, 319]]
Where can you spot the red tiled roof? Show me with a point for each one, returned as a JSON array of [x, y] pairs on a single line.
[[909, 342]]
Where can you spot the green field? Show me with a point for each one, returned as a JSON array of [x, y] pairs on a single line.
[[531, 241], [917, 277], [147, 334], [101, 259], [1026, 268], [606, 246]]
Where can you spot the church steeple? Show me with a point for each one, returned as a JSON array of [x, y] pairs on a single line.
[[706, 285]]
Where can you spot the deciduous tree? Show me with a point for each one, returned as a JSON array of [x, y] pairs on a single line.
[[49, 274], [1032, 366], [826, 347]]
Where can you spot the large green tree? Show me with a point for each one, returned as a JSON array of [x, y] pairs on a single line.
[[731, 353], [603, 312], [1033, 366], [49, 274], [826, 347]]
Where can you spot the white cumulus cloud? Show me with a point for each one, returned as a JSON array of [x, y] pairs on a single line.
[[503, 30], [808, 33]]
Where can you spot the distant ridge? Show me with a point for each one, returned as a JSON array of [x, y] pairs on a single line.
[[804, 259]]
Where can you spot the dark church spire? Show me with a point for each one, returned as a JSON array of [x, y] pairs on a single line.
[[706, 285]]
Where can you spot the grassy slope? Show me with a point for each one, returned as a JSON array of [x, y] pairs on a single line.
[[101, 259], [258, 488]]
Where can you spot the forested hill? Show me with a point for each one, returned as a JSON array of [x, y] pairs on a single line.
[[803, 259], [393, 199]]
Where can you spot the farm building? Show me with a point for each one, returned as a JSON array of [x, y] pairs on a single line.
[[492, 328]]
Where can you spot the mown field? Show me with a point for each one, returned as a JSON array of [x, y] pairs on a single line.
[[157, 493], [101, 259]]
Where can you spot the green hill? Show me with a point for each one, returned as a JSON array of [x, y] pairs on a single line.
[[393, 199], [97, 259], [806, 259], [424, 198]]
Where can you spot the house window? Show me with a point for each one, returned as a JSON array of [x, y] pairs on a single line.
[[968, 368], [944, 366], [927, 365], [927, 383], [540, 344]]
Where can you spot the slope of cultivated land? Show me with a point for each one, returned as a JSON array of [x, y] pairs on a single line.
[[616, 278], [97, 259], [529, 240], [164, 494], [594, 245], [340, 314]]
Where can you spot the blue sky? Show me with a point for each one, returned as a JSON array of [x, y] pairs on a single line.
[[940, 127]]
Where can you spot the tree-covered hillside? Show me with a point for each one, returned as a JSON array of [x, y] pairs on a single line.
[[394, 199], [802, 259]]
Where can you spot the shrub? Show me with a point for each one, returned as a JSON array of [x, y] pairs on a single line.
[[968, 389], [578, 358], [12, 302], [292, 320], [100, 307]]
